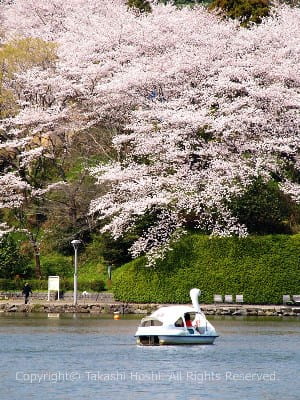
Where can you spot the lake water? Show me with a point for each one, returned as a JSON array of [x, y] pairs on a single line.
[[92, 357]]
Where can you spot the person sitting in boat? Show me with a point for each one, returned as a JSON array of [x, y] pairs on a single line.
[[188, 321]]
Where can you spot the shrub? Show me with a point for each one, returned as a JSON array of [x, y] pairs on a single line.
[[94, 285], [42, 284], [12, 263], [57, 264], [97, 285], [262, 268], [264, 209]]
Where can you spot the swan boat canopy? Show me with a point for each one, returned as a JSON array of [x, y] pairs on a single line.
[[177, 325]]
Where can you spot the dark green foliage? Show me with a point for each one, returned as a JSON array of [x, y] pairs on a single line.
[[265, 209], [12, 263], [180, 3], [247, 11], [261, 268], [141, 5], [115, 252]]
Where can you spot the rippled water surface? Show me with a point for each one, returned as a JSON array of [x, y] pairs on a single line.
[[88, 357]]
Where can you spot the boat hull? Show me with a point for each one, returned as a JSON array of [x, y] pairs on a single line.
[[156, 340]]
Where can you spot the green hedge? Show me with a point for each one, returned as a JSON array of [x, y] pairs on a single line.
[[262, 268], [18, 284], [65, 284]]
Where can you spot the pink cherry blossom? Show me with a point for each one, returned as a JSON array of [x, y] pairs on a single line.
[[200, 105]]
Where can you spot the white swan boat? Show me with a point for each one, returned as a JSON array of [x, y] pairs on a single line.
[[177, 325]]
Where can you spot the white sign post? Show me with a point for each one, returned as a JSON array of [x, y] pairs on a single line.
[[53, 284]]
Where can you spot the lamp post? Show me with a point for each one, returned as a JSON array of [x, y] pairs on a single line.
[[109, 269], [75, 244], [109, 272]]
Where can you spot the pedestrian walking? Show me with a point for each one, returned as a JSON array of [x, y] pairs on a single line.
[[26, 291]]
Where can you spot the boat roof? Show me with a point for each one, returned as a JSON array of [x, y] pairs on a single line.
[[171, 314]]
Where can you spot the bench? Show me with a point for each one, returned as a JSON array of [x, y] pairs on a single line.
[[288, 301], [218, 298], [239, 298], [228, 298], [296, 300]]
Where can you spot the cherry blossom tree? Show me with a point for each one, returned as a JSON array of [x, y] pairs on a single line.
[[200, 108], [219, 107], [20, 152]]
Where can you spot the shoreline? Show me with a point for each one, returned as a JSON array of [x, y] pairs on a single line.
[[92, 307]]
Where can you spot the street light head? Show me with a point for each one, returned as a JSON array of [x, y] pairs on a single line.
[[76, 243]]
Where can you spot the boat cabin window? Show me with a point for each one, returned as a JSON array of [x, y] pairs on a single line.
[[179, 323], [151, 322]]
